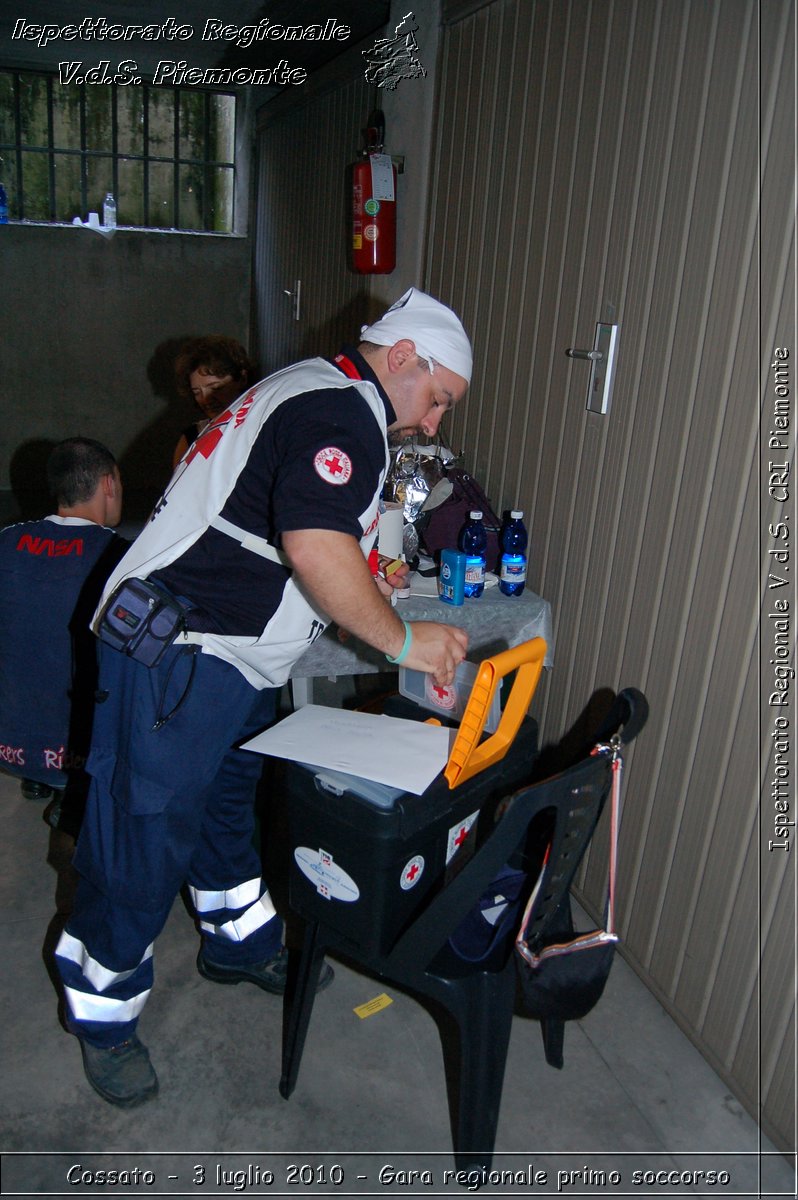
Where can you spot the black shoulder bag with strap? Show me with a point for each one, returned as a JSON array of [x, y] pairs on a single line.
[[564, 976]]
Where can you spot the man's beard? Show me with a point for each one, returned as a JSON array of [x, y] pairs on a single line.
[[398, 436]]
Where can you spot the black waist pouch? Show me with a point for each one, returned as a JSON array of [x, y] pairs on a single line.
[[142, 619]]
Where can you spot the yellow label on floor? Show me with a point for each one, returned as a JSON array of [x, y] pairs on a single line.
[[373, 1006]]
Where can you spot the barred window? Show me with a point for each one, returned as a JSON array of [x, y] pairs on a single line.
[[166, 154]]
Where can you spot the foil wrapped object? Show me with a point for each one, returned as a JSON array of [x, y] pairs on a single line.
[[411, 477], [416, 472]]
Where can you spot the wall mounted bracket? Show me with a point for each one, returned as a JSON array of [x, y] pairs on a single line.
[[602, 367]]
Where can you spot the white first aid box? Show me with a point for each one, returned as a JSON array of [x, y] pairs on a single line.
[[449, 702]]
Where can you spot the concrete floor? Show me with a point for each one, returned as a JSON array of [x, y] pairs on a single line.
[[634, 1095]]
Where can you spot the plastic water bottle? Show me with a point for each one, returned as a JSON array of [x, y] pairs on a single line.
[[474, 544], [3, 206], [109, 211], [512, 575]]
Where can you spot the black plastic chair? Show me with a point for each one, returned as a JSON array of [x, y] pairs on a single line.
[[480, 996]]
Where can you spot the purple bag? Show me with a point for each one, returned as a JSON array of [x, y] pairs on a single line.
[[442, 528]]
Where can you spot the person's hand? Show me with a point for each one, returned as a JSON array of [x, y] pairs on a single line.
[[333, 571], [437, 649], [391, 577]]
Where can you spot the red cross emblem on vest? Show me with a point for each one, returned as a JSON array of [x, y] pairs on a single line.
[[333, 466]]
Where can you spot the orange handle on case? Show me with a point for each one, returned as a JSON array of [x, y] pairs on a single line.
[[467, 758]]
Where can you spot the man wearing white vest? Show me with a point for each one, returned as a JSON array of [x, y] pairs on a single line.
[[263, 534]]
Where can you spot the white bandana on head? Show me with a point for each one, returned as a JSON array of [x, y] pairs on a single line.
[[437, 332]]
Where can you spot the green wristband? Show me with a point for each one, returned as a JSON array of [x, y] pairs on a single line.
[[403, 653]]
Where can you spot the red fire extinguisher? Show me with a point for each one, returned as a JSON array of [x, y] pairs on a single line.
[[374, 204]]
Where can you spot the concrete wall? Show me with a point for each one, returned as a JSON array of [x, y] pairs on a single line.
[[88, 336], [409, 111], [307, 138], [88, 339]]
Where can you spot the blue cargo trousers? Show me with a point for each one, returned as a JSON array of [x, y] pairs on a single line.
[[171, 802]]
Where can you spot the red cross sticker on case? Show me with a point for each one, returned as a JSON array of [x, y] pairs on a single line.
[[458, 835], [440, 695], [412, 873], [333, 466]]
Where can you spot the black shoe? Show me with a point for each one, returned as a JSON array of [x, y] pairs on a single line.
[[271, 975], [32, 790], [52, 813], [123, 1075]]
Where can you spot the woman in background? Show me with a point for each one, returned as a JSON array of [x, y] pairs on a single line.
[[213, 371]]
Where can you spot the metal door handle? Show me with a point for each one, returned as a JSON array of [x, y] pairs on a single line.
[[295, 296], [602, 367]]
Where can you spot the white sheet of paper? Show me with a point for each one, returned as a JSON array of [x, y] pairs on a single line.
[[405, 754]]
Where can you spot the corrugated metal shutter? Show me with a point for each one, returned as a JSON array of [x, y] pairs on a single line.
[[600, 161]]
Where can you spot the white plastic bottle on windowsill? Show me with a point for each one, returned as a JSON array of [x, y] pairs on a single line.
[[109, 212]]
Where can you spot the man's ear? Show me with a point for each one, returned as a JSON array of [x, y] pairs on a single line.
[[111, 486], [400, 353]]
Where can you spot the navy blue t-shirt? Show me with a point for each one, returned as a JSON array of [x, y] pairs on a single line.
[[280, 490]]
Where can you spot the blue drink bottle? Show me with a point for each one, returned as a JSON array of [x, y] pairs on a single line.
[[474, 544], [512, 576]]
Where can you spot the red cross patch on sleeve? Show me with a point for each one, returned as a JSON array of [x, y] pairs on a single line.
[[333, 466]]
